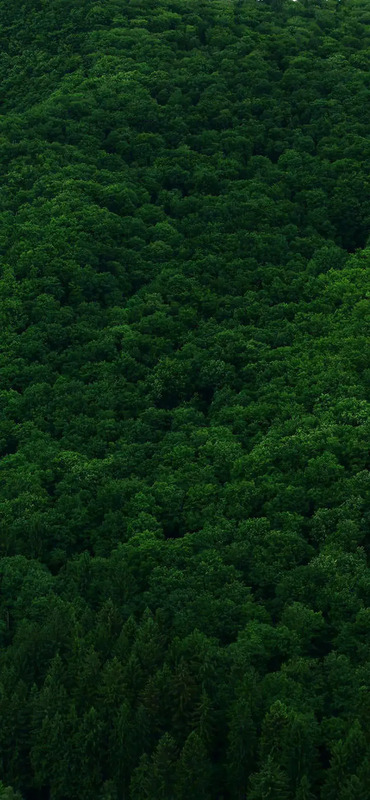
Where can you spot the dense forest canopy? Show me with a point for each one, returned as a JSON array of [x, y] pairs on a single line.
[[184, 427]]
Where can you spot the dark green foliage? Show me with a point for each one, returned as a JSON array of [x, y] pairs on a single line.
[[184, 404]]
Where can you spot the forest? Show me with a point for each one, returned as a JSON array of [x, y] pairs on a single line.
[[184, 400]]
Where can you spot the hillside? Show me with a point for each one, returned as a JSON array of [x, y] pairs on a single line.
[[184, 404]]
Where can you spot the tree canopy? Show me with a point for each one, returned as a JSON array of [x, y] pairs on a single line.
[[184, 425]]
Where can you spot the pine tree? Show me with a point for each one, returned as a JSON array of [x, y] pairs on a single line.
[[194, 770], [270, 783], [141, 780], [241, 751], [7, 793], [304, 791], [164, 769]]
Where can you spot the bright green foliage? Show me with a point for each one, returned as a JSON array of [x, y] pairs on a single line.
[[184, 400]]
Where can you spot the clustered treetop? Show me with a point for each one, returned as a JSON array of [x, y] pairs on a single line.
[[184, 427]]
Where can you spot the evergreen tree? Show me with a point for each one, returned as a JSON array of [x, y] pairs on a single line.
[[270, 783]]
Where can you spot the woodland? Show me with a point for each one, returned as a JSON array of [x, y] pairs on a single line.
[[184, 400]]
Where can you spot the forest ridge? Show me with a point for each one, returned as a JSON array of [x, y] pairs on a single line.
[[184, 400]]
